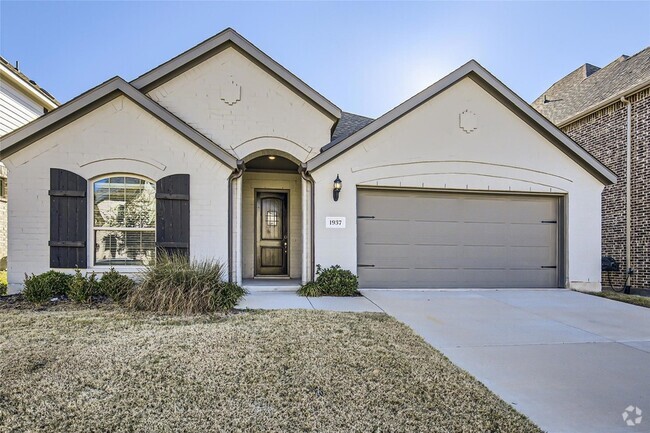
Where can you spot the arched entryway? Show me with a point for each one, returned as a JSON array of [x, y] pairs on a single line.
[[272, 199]]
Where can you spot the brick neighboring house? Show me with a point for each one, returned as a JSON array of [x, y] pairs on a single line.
[[21, 101], [587, 106]]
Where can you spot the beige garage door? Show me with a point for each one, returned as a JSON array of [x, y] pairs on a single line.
[[412, 239]]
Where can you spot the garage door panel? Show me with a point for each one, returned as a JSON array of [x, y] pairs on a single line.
[[489, 233], [412, 257], [381, 231], [447, 240], [433, 232]]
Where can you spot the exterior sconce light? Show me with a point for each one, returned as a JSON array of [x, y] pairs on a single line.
[[337, 187]]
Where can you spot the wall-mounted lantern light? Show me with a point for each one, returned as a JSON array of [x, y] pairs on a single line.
[[337, 187]]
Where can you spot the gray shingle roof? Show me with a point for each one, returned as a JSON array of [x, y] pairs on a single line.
[[589, 85], [348, 125]]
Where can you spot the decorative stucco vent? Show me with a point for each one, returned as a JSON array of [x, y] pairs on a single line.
[[468, 121], [230, 92]]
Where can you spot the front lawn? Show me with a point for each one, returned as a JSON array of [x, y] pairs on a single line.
[[83, 370]]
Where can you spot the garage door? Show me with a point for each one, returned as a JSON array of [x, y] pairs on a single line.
[[412, 239]]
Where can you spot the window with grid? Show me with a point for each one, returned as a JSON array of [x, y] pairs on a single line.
[[124, 221]]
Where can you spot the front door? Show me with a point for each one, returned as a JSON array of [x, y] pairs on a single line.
[[271, 247]]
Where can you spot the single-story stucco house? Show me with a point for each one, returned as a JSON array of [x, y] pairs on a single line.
[[222, 153]]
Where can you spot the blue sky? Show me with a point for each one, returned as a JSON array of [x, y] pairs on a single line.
[[366, 57]]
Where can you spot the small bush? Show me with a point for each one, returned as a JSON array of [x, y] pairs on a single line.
[[82, 288], [310, 289], [115, 286], [175, 285], [3, 283], [41, 288], [228, 296], [332, 281]]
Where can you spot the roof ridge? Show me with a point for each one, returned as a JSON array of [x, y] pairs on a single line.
[[186, 59]]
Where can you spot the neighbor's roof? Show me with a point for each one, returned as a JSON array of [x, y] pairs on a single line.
[[209, 47], [17, 73], [585, 89], [499, 91]]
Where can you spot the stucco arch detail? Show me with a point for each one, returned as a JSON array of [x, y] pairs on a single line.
[[273, 145]]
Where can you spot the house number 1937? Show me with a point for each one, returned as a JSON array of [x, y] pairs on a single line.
[[335, 222]]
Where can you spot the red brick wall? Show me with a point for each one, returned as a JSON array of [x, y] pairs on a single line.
[[603, 134]]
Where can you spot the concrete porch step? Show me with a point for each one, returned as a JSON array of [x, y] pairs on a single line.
[[271, 285]]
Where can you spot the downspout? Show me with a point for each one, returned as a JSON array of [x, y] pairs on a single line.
[[310, 180], [628, 196], [236, 174]]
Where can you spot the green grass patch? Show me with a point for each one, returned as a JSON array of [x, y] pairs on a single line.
[[641, 301]]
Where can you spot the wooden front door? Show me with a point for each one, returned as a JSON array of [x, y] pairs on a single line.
[[271, 246]]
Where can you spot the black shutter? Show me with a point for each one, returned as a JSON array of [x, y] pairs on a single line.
[[173, 214], [68, 219]]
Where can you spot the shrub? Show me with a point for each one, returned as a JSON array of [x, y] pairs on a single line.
[[332, 281], [115, 286], [228, 296], [41, 288], [175, 285], [310, 289], [82, 288], [3, 283]]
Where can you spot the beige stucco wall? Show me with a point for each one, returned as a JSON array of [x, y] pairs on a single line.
[[268, 114], [427, 149], [272, 181], [118, 137]]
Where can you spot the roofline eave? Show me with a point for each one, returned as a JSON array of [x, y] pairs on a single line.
[[33, 93], [166, 70], [473, 69], [100, 95]]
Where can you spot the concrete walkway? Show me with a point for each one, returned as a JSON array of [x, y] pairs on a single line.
[[569, 361], [290, 300]]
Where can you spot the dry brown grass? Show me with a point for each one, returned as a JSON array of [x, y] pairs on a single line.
[[278, 371]]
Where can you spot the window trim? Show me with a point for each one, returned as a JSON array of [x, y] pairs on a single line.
[[91, 224], [3, 188]]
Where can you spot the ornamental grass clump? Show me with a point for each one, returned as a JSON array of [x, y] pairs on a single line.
[[175, 285]]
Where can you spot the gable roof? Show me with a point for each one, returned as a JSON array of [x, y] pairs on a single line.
[[94, 98], [30, 87], [588, 87], [498, 90], [213, 45]]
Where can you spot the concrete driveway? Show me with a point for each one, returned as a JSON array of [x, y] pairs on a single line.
[[571, 362]]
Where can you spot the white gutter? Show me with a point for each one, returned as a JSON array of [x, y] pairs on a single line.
[[34, 94], [628, 193]]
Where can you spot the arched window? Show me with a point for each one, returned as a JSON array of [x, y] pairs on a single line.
[[124, 221]]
